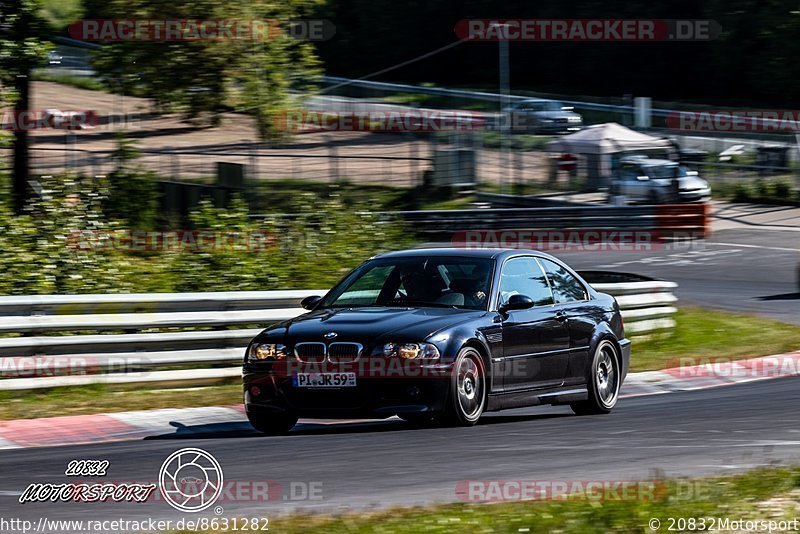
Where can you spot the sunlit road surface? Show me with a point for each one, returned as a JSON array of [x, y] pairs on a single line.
[[740, 270], [387, 463]]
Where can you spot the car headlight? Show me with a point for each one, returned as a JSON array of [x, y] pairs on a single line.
[[266, 352], [575, 119], [411, 351]]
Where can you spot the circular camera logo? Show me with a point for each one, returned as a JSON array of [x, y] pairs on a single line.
[[190, 480]]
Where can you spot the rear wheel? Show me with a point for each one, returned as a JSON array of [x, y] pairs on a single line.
[[272, 424], [467, 388], [603, 382]]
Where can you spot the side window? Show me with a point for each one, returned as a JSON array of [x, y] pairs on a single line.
[[566, 288], [524, 276], [629, 172]]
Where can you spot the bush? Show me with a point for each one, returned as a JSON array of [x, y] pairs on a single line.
[[44, 251], [763, 188], [741, 192], [315, 247], [40, 249], [132, 192], [782, 189]]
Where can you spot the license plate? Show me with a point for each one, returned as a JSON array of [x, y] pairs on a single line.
[[324, 380]]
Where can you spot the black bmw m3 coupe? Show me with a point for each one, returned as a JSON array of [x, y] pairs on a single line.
[[441, 335]]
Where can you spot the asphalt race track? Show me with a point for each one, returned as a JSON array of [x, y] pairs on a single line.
[[382, 464], [749, 271]]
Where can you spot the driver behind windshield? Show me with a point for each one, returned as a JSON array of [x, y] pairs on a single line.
[[418, 286]]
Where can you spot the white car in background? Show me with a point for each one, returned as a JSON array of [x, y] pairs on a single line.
[[657, 181]]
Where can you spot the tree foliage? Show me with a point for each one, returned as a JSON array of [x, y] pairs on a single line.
[[205, 75]]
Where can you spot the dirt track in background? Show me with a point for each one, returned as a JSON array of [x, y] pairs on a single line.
[[397, 159]]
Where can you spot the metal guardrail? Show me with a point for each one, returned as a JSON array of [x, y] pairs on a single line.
[[205, 357], [681, 220], [480, 95], [646, 306]]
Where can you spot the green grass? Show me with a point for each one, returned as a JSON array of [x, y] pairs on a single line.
[[705, 333], [81, 82], [742, 496], [104, 399]]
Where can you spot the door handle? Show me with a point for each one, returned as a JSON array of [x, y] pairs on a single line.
[[561, 316]]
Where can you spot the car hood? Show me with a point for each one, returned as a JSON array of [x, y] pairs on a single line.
[[368, 324], [684, 183], [692, 182]]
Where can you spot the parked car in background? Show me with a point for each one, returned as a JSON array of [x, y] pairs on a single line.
[[657, 181], [536, 115]]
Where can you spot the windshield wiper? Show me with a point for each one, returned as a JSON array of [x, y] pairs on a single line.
[[422, 303]]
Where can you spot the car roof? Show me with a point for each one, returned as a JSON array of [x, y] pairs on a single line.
[[459, 252]]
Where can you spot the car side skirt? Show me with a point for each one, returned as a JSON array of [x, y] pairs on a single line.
[[535, 397]]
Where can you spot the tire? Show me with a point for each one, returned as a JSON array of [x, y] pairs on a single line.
[[603, 381], [467, 398], [272, 424]]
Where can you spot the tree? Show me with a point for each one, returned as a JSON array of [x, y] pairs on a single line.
[[210, 75], [21, 49]]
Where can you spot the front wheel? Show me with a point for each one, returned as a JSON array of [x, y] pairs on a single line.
[[467, 388], [272, 424], [603, 382]]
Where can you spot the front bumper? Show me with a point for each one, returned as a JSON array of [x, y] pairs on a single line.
[[274, 391], [701, 195], [570, 127]]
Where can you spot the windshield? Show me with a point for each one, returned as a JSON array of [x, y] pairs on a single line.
[[542, 105], [665, 172], [449, 282], [553, 106]]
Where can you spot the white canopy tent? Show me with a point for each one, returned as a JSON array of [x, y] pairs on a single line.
[[609, 138], [597, 144]]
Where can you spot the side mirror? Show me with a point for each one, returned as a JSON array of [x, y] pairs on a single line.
[[642, 178], [517, 302], [308, 303]]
